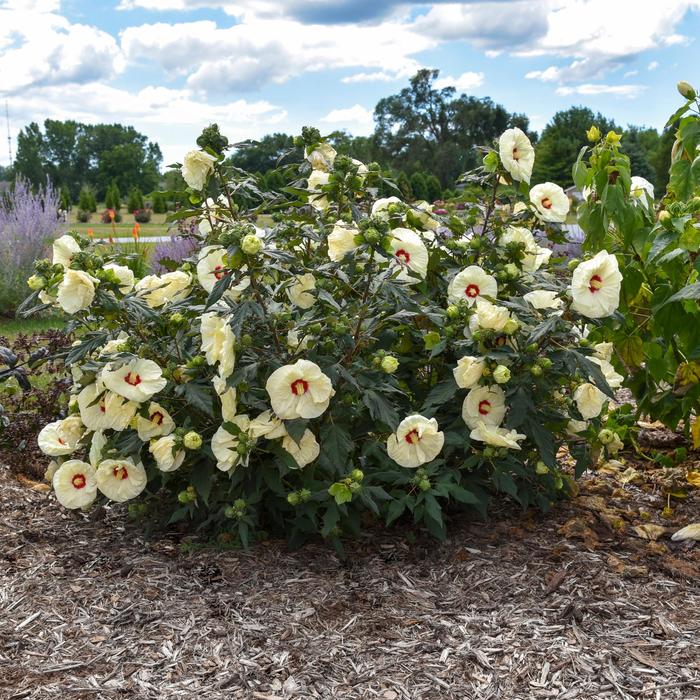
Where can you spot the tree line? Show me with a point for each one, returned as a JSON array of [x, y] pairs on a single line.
[[425, 136]]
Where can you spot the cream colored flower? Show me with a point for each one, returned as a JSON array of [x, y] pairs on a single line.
[[158, 422], [550, 201], [167, 458], [470, 284], [488, 316], [689, 532], [168, 288], [322, 157], [196, 168], [305, 451], [535, 256], [484, 404], [211, 266], [379, 208], [575, 427], [97, 445], [589, 400], [603, 351], [74, 484], [105, 410], [300, 390], [541, 299], [218, 342], [64, 248], [640, 189], [317, 199], [293, 341], [468, 371], [267, 425], [613, 378], [137, 380], [416, 441], [410, 253], [517, 154], [227, 396], [228, 448], [113, 346], [124, 275], [497, 437], [341, 240], [75, 291], [61, 437], [120, 479], [300, 291], [595, 286], [424, 213]]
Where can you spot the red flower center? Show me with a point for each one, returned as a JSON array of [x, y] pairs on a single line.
[[403, 255], [547, 203], [595, 283], [102, 406], [299, 387], [472, 291], [157, 418], [219, 272], [133, 379], [79, 481], [61, 441], [484, 407], [412, 438], [120, 472]]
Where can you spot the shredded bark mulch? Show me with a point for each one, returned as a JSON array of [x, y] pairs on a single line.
[[588, 602]]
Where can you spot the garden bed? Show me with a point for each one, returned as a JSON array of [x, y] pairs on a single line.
[[575, 604]]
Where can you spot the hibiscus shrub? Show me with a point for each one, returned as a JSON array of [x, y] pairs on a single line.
[[656, 333], [359, 358]]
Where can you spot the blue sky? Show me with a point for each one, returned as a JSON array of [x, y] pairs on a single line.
[[170, 67]]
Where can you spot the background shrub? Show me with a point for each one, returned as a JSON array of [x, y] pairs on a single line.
[[135, 200], [83, 216], [142, 216], [28, 224]]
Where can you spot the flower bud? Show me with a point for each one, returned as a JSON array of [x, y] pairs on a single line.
[[452, 311], [541, 468], [490, 162], [686, 90], [354, 487], [251, 244], [357, 475], [573, 264], [390, 364], [192, 440], [606, 436], [177, 320], [293, 498], [510, 326], [612, 138], [511, 269], [424, 485], [593, 134], [544, 362], [35, 282], [536, 371], [501, 374], [183, 497], [664, 217], [431, 339]]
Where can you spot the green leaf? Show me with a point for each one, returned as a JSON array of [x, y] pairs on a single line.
[[692, 291], [380, 409], [341, 493], [202, 480], [440, 394], [296, 428], [336, 445], [395, 509], [197, 395], [462, 495], [681, 180]]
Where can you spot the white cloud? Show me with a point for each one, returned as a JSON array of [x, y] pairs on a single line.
[[40, 47], [595, 89], [357, 118], [464, 83], [653, 65], [252, 53], [630, 73], [374, 77], [168, 116]]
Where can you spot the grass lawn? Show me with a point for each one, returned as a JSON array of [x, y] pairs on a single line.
[[156, 227]]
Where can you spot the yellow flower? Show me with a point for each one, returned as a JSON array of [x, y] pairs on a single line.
[[300, 390], [416, 441]]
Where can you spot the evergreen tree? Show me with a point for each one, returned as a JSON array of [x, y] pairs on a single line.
[[419, 186], [135, 200], [405, 186], [434, 188], [160, 206], [66, 202]]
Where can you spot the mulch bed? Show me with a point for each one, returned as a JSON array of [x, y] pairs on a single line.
[[575, 604]]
